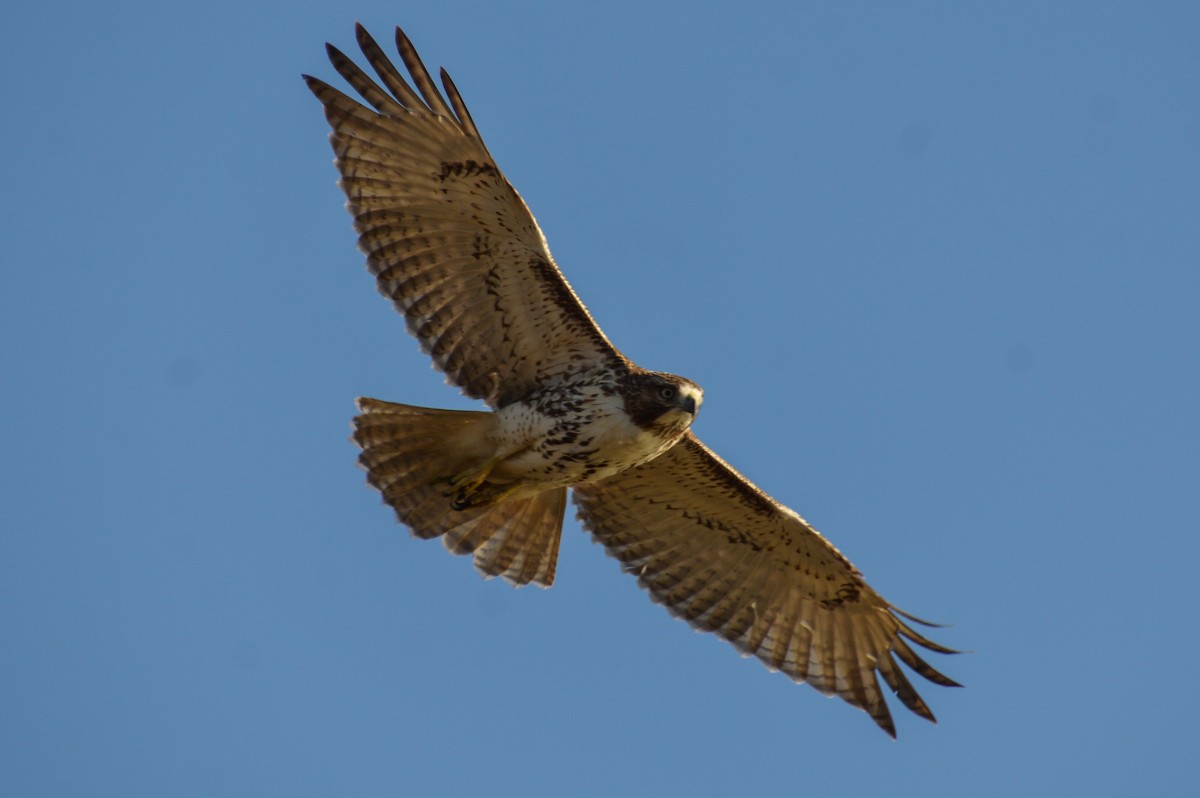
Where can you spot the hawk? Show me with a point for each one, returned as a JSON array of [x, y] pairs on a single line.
[[458, 253]]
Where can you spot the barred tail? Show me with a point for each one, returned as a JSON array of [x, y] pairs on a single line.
[[410, 452]]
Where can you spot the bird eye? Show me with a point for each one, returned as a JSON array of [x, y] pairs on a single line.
[[666, 392]]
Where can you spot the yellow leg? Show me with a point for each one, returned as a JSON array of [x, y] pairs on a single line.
[[469, 481], [469, 488], [465, 488], [490, 494]]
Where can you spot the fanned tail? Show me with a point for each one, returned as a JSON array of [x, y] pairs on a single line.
[[409, 454]]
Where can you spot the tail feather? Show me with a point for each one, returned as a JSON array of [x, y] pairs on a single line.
[[524, 545], [408, 452]]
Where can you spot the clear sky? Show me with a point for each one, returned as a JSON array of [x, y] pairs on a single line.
[[935, 266]]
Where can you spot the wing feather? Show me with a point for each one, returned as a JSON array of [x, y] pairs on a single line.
[[362, 83], [384, 68], [720, 553], [416, 68], [460, 108], [447, 237]]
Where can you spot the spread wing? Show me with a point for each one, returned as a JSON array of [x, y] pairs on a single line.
[[729, 559], [447, 237]]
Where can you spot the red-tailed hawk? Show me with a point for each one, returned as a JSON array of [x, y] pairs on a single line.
[[454, 247]]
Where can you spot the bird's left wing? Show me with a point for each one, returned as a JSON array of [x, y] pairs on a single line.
[[447, 237], [720, 553]]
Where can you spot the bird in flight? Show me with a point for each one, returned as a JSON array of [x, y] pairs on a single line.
[[458, 253]]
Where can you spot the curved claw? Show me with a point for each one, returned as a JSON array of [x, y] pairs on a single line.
[[482, 495], [464, 485]]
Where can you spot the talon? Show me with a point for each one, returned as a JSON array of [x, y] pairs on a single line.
[[465, 485], [472, 478], [485, 494]]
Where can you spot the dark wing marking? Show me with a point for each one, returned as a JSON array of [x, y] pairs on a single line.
[[720, 553], [447, 237]]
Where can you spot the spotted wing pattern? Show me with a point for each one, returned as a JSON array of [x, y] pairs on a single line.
[[720, 553], [447, 237]]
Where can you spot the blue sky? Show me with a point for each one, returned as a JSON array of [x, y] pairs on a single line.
[[935, 266]]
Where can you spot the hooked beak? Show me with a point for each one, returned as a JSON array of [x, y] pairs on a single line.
[[687, 402]]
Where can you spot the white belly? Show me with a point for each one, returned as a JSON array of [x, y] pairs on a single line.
[[571, 437]]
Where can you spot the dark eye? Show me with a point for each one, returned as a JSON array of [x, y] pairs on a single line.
[[666, 392]]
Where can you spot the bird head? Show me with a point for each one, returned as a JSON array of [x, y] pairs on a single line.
[[662, 402]]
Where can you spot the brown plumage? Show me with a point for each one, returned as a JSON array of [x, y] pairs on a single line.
[[454, 247]]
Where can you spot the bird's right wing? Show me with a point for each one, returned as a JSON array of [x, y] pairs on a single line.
[[447, 237]]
